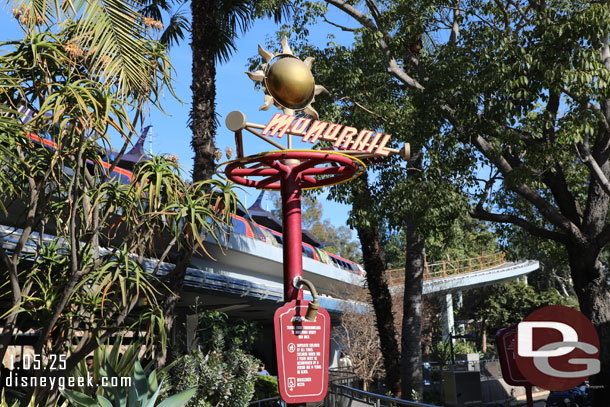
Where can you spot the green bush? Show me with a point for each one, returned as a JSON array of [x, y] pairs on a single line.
[[222, 379], [265, 387], [220, 367], [441, 351]]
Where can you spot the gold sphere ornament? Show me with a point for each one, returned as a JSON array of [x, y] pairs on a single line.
[[287, 81], [290, 82]]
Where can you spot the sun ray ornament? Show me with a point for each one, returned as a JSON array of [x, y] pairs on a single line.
[[287, 81], [289, 85]]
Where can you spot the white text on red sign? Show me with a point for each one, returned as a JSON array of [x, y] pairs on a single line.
[[344, 137]]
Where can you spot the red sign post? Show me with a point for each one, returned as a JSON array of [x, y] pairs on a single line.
[[302, 352], [507, 347], [302, 357]]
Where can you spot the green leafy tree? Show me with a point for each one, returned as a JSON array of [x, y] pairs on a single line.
[[337, 240], [554, 272], [461, 239], [499, 306], [479, 73]]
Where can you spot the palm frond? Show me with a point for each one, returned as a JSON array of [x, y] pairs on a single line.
[[156, 8], [106, 36], [277, 9], [235, 15], [111, 32], [176, 29], [225, 45], [35, 13]]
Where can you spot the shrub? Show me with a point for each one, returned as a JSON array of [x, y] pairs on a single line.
[[265, 387]]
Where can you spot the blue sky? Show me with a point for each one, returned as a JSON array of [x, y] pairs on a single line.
[[235, 91]]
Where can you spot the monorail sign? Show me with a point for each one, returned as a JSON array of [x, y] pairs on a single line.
[[302, 337], [344, 137]]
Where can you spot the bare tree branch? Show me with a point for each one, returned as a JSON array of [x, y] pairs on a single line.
[[392, 65], [585, 156], [455, 29], [343, 28], [526, 225], [488, 185]]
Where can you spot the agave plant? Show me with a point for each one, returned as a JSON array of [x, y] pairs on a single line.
[[111, 360], [143, 392], [16, 403]]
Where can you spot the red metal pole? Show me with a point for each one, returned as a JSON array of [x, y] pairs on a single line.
[[528, 396], [293, 239]]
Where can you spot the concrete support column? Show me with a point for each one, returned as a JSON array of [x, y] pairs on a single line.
[[447, 315], [459, 301]]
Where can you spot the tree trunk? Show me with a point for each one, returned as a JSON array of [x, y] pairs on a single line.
[[205, 36], [374, 264], [483, 337], [593, 291], [175, 284], [411, 356]]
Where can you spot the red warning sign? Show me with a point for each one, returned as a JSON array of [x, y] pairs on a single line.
[[302, 353], [505, 341]]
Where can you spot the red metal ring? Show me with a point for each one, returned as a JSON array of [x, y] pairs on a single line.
[[272, 168]]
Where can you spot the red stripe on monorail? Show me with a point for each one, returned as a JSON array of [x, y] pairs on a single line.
[[49, 143]]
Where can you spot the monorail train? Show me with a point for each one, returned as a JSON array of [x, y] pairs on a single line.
[[241, 225], [249, 228]]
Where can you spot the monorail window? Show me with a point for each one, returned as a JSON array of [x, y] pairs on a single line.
[[307, 252], [337, 262], [258, 233], [239, 226]]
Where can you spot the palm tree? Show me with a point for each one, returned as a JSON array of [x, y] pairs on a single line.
[[206, 45], [215, 27]]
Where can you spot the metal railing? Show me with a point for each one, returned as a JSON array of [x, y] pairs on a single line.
[[268, 402], [488, 369], [336, 375], [451, 267], [340, 395], [342, 382]]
